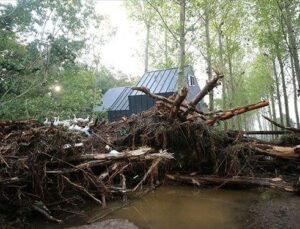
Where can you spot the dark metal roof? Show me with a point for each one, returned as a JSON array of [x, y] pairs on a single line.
[[109, 98], [161, 81], [122, 103]]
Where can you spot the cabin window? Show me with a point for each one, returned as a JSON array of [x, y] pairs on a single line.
[[191, 80]]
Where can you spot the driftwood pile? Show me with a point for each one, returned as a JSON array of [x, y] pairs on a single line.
[[207, 155], [50, 170], [216, 157]]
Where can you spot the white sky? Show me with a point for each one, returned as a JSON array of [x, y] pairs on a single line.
[[121, 51]]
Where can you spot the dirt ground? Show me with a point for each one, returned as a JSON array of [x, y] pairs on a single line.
[[278, 213]]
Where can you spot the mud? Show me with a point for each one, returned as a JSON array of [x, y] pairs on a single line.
[[281, 212]]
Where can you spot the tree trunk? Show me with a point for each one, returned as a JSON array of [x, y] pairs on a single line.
[[208, 47], [270, 115], [166, 48], [278, 93], [292, 42], [295, 93], [285, 97], [222, 69], [147, 47], [181, 75], [232, 96], [273, 108], [259, 121]]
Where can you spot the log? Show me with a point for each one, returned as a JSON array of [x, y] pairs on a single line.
[[275, 183], [281, 126], [178, 101], [139, 154], [263, 132], [278, 151], [236, 111], [152, 167], [206, 89], [85, 165]]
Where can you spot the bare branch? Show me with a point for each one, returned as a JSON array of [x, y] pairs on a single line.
[[163, 20]]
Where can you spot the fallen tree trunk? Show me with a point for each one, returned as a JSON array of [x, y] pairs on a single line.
[[139, 155], [275, 183], [263, 132], [281, 126], [278, 151], [236, 111], [205, 90]]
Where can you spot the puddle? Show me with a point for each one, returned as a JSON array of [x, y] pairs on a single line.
[[174, 207], [187, 207]]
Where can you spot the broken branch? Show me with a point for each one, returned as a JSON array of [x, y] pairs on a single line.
[[281, 126], [236, 111]]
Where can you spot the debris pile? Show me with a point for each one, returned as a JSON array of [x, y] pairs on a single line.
[[211, 155], [48, 168]]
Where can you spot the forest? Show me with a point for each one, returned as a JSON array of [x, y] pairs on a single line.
[[254, 43], [57, 154], [43, 45]]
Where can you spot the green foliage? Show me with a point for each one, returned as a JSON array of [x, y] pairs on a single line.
[[78, 95], [259, 79], [42, 77], [64, 51], [106, 79]]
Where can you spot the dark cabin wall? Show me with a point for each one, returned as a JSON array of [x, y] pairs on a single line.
[[116, 115], [140, 103]]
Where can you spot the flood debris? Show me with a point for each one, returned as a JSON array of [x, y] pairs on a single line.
[[49, 168], [38, 172], [276, 183]]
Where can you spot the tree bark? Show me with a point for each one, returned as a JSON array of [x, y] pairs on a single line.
[[147, 47], [232, 94], [222, 69], [236, 111], [166, 48], [281, 126], [278, 93], [273, 107], [292, 42], [270, 114], [208, 47], [181, 75], [295, 94], [259, 122], [275, 183], [285, 97]]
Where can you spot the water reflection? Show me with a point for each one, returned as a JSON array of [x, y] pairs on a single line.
[[188, 207]]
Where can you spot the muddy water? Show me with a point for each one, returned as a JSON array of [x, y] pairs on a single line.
[[186, 207]]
